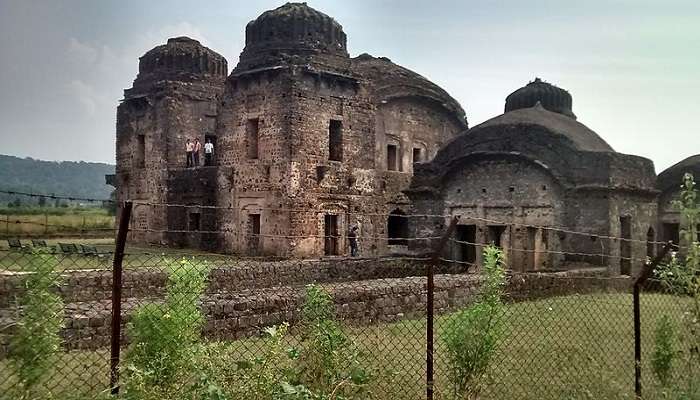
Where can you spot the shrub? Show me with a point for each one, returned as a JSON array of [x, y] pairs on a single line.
[[664, 350], [471, 336], [329, 361], [682, 276], [164, 335], [37, 336]]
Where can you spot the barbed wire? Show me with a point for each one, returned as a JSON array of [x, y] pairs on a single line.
[[557, 252], [56, 197], [397, 215], [295, 210]]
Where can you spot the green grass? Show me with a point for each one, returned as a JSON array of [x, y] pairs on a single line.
[[135, 256], [572, 347], [51, 222]]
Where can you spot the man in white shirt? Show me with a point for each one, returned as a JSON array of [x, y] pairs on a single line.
[[189, 148], [208, 152]]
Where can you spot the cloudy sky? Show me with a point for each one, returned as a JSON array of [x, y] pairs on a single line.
[[632, 66]]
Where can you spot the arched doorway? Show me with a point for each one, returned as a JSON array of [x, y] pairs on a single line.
[[651, 248], [397, 228]]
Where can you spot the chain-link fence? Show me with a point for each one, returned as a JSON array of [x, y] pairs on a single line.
[[218, 327]]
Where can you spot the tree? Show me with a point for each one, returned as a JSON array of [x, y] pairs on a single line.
[[42, 201]]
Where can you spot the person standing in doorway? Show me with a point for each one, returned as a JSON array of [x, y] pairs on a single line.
[[208, 152], [352, 237], [189, 148], [197, 151]]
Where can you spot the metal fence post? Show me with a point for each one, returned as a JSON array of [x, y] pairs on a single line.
[[430, 309], [647, 270], [117, 296]]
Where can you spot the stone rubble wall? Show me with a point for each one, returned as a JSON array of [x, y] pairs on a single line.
[[237, 306]]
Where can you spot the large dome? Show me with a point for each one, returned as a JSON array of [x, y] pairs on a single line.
[[551, 97], [294, 29], [579, 135], [181, 58]]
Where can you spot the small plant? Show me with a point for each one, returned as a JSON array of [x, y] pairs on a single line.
[[664, 350], [329, 360], [682, 277], [471, 336], [164, 335], [267, 376], [37, 337]]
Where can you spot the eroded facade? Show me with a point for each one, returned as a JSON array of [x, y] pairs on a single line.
[[308, 141]]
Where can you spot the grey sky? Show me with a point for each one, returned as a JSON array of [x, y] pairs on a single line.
[[633, 67]]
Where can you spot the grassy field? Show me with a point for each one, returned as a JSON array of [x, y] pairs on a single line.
[[573, 347], [52, 222], [135, 256]]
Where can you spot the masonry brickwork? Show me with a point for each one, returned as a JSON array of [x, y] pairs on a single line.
[[296, 125], [535, 167], [237, 305]]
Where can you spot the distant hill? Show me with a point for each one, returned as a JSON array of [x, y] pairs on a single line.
[[64, 178]]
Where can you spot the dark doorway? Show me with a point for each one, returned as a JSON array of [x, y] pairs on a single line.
[[417, 155], [397, 228], [330, 232], [495, 234], [194, 220], [466, 251], [651, 246], [672, 234], [625, 245], [254, 233], [335, 140], [252, 135], [530, 249], [141, 151], [392, 159]]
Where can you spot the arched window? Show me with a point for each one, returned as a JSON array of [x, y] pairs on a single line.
[[397, 228], [651, 237]]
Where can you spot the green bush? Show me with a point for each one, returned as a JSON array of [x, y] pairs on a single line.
[[682, 276], [471, 336], [37, 337], [164, 335], [664, 350], [329, 361]]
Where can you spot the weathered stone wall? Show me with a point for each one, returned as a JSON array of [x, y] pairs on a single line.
[[241, 300]]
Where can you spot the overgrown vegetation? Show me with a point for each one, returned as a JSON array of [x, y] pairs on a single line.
[[164, 335], [682, 277], [472, 335], [36, 339]]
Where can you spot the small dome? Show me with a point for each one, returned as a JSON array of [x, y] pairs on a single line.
[[551, 97], [179, 58], [293, 29], [672, 177]]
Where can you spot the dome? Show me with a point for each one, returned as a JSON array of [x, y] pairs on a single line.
[[672, 177], [578, 134], [181, 58], [392, 81], [551, 97], [292, 29]]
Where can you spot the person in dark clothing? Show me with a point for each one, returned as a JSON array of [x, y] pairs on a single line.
[[197, 151], [352, 237]]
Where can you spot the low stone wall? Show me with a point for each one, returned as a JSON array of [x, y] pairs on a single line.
[[232, 314], [89, 285]]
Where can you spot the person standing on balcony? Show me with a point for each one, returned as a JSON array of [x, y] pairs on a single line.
[[189, 148], [197, 151], [208, 152]]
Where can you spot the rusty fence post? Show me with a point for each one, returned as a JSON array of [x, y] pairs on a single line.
[[430, 308], [117, 297], [647, 270]]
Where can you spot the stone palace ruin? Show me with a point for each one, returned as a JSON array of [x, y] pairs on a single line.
[[309, 141]]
